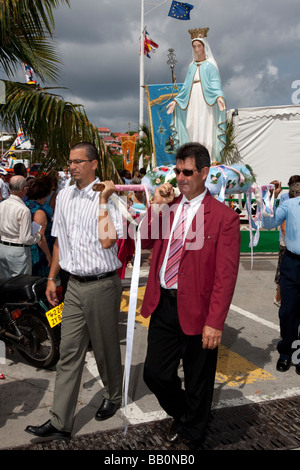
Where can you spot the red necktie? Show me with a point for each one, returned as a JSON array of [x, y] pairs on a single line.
[[176, 246]]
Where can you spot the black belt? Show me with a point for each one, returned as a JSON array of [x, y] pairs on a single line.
[[92, 278], [12, 244], [169, 292], [292, 255]]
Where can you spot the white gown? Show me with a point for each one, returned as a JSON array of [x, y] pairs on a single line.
[[200, 117]]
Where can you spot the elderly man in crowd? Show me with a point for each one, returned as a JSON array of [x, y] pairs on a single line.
[[15, 231]]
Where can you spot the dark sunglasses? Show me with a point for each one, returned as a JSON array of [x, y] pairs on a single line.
[[185, 172]]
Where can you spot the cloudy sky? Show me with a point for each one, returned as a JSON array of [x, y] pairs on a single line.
[[255, 42]]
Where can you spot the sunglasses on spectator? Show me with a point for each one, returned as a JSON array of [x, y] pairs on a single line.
[[185, 172]]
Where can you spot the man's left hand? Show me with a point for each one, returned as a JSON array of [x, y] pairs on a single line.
[[109, 189], [211, 337]]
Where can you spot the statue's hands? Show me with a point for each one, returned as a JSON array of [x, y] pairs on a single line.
[[171, 107], [221, 104]]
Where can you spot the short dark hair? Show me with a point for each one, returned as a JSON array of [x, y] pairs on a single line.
[[294, 179], [20, 169], [90, 150], [196, 151], [41, 187], [294, 190]]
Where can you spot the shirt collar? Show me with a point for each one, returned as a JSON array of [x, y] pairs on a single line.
[[196, 200], [88, 189], [17, 198]]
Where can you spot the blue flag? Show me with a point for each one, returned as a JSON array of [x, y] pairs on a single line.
[[180, 11]]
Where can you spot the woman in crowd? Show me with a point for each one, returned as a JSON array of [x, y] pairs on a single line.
[[42, 214]]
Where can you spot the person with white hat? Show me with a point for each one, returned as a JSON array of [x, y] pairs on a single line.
[[4, 189]]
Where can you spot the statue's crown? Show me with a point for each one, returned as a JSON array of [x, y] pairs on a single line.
[[198, 33]]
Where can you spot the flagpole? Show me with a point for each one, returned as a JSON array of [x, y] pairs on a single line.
[[141, 117]]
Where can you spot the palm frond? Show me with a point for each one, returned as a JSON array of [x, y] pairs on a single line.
[[26, 36]]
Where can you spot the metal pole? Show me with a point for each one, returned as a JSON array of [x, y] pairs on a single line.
[[141, 118]]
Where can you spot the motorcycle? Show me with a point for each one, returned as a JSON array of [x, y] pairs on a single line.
[[26, 321]]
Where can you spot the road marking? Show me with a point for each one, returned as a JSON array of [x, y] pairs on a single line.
[[232, 369], [135, 415], [248, 400], [254, 317]]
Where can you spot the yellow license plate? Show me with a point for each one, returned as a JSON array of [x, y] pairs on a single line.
[[54, 315]]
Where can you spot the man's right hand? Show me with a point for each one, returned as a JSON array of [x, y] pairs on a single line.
[[51, 293], [164, 194]]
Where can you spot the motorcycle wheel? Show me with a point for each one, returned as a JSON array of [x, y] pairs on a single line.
[[41, 347]]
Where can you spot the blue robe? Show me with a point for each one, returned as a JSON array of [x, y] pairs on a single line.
[[212, 90]]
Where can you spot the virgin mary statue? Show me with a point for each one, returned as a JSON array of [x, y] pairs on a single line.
[[199, 108]]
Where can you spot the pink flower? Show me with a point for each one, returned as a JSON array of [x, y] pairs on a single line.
[[157, 181]]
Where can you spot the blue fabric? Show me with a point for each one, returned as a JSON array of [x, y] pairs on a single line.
[[289, 210], [180, 11], [212, 90], [39, 261]]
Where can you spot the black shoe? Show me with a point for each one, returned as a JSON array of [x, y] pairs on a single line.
[[46, 430], [298, 369], [172, 434], [283, 365], [107, 410]]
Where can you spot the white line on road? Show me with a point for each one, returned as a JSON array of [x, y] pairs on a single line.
[[135, 415], [254, 317]]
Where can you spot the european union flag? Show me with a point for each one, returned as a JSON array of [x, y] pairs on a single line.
[[180, 11]]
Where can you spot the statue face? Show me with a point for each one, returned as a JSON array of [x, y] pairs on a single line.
[[199, 51]]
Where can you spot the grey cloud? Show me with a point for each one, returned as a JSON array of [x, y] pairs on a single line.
[[256, 45]]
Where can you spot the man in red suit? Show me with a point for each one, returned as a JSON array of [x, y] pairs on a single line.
[[188, 311]]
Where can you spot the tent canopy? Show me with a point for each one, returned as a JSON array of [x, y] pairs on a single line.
[[268, 140]]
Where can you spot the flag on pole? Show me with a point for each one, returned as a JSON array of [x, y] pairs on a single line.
[[21, 142], [29, 74], [180, 11], [149, 45]]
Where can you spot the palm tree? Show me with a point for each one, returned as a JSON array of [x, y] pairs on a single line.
[[144, 145], [230, 154], [26, 37]]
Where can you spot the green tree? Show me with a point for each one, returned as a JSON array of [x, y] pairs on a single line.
[[144, 146], [230, 154], [26, 37]]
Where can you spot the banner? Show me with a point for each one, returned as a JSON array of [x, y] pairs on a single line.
[[128, 147], [160, 122]]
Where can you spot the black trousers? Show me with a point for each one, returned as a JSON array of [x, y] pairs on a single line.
[[167, 346], [289, 312]]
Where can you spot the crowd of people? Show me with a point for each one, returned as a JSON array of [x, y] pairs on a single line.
[[192, 277]]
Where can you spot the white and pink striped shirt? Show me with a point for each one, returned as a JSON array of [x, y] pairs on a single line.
[[75, 224]]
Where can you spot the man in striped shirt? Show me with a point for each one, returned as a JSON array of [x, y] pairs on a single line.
[[87, 226]]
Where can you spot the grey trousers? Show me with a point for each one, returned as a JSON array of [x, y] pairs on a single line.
[[91, 312], [14, 260]]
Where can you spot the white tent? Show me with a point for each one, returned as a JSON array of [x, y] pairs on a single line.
[[268, 140]]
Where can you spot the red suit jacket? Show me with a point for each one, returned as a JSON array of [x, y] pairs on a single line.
[[207, 276]]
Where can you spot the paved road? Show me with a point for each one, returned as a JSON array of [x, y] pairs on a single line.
[[246, 371]]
